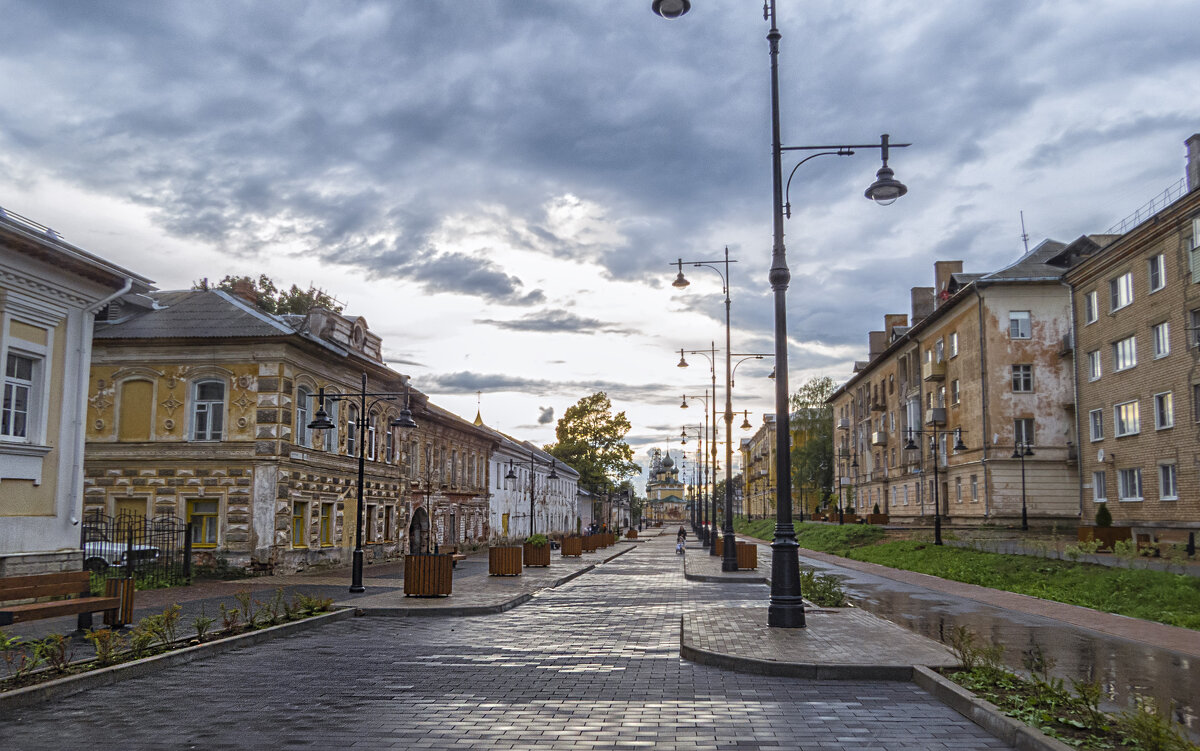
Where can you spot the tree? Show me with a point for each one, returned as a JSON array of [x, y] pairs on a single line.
[[738, 485], [294, 301], [812, 436], [591, 440]]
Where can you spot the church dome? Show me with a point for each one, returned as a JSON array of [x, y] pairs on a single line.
[[666, 462]]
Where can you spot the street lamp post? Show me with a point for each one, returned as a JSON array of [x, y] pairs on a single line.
[[786, 609], [321, 421], [711, 471], [1022, 449], [697, 518], [533, 463], [934, 436]]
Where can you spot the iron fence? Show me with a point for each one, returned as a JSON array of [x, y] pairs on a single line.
[[155, 552]]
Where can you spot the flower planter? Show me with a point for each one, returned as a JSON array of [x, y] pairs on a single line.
[[877, 518], [589, 543], [747, 555], [719, 541], [504, 561], [631, 534], [427, 575], [1106, 536], [537, 555], [572, 546]]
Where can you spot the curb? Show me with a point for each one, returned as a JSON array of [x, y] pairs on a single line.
[[755, 578], [73, 684], [985, 714]]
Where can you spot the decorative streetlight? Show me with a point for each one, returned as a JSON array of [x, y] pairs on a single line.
[[934, 436], [321, 421], [533, 464], [712, 454], [697, 482], [786, 609], [1022, 449]]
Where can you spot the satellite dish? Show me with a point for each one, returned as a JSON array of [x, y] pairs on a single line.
[[1100, 456]]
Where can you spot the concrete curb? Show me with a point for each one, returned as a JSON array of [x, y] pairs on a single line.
[[985, 714], [739, 578], [73, 684]]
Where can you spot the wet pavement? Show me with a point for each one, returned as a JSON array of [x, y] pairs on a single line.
[[593, 664]]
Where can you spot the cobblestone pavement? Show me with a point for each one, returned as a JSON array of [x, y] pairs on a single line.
[[593, 664]]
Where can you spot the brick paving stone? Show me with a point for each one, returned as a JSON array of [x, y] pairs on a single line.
[[593, 664]]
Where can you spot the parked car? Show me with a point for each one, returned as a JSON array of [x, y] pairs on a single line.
[[100, 554]]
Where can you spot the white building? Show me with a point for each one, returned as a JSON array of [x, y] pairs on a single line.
[[526, 483], [50, 292]]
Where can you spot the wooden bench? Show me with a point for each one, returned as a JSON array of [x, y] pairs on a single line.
[[455, 556], [74, 585]]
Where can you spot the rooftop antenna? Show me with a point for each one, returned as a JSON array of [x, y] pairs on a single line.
[[1024, 235]]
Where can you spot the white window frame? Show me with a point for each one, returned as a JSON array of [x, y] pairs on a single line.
[[1131, 424], [330, 443], [1164, 410], [303, 411], [352, 418], [1100, 486], [1091, 307], [1126, 479], [1095, 365], [1015, 318], [33, 390], [1024, 430], [1162, 339], [955, 391], [1124, 354], [195, 409], [1120, 292], [1022, 378], [1096, 424], [1168, 482], [1157, 268], [953, 344]]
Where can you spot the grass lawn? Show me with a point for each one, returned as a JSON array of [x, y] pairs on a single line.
[[1159, 596]]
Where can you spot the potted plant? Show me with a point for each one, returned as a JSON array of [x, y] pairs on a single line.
[[572, 546], [427, 575], [537, 550], [504, 560], [1104, 532]]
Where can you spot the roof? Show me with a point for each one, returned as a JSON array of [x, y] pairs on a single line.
[[195, 314]]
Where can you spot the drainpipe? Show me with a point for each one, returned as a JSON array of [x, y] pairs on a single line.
[[983, 384], [1075, 399]]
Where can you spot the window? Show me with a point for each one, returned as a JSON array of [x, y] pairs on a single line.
[[299, 525], [1196, 402], [1168, 485], [1023, 430], [390, 444], [1091, 307], [1195, 328], [1125, 419], [325, 531], [958, 490], [1162, 339], [1096, 424], [303, 416], [18, 396], [1164, 411], [1129, 484], [1120, 292], [203, 516], [1019, 326], [370, 522], [1094, 365], [208, 410], [954, 344], [1158, 273], [954, 392], [1099, 487], [939, 350], [1194, 252], [1125, 354], [905, 495], [389, 523], [974, 487], [331, 441], [373, 436], [352, 431], [1022, 378]]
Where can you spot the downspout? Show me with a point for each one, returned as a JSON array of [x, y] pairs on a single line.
[[983, 402], [1075, 399], [83, 353]]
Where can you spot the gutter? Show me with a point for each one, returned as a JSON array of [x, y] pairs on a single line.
[[1075, 398], [983, 391]]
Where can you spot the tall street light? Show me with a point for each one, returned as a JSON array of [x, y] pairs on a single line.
[[1022, 449], [935, 436], [321, 421], [712, 454], [786, 609], [696, 466], [533, 464]]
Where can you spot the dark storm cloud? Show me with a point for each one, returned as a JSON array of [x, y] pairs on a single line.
[[467, 382], [556, 321], [545, 415]]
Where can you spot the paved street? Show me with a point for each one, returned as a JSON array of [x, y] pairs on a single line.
[[592, 664]]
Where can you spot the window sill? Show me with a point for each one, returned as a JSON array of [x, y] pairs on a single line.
[[1169, 498], [1130, 500]]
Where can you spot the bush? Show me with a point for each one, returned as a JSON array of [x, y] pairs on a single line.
[[1103, 516], [537, 540]]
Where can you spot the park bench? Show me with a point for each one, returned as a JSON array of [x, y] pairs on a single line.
[[71, 585], [455, 556]]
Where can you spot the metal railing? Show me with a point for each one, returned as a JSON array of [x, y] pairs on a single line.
[[155, 552], [1169, 196]]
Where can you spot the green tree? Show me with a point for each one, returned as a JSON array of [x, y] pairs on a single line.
[[591, 439], [294, 301], [812, 438], [738, 488]]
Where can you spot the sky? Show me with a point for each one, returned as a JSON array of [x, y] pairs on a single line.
[[501, 187]]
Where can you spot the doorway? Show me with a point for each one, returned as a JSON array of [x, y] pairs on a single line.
[[418, 532]]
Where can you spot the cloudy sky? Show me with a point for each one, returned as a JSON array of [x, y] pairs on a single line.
[[499, 186]]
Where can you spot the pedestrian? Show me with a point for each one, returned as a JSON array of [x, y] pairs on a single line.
[[680, 539]]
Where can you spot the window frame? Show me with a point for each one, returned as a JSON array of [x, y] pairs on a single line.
[[1125, 351], [303, 411], [1024, 431], [1096, 424], [1118, 421], [1172, 493], [953, 344], [1015, 317], [1156, 266], [1136, 474], [208, 522], [300, 524], [1120, 292], [1100, 486], [197, 402], [1022, 378], [1095, 365], [33, 415], [1164, 421], [1161, 334], [1091, 307]]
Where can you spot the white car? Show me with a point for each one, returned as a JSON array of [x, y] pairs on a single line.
[[98, 556]]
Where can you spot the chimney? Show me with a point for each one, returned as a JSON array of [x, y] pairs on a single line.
[[1193, 162], [941, 277], [892, 320], [922, 303], [244, 289], [877, 342]]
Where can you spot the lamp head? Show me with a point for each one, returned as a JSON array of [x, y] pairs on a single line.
[[321, 420], [746, 421], [405, 421], [772, 376], [1028, 451], [684, 405], [511, 474], [683, 363], [553, 471], [886, 188], [680, 281], [671, 8]]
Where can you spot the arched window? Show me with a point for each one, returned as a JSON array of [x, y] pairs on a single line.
[[208, 410], [373, 436], [304, 397], [352, 430], [389, 443], [331, 409]]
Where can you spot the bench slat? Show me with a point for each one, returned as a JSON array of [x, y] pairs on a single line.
[[38, 610], [78, 579], [45, 590]]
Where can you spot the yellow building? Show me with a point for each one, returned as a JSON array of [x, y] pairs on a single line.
[[665, 501], [199, 405]]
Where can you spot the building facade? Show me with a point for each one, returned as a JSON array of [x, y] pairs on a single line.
[[50, 291], [666, 497], [758, 470], [528, 483]]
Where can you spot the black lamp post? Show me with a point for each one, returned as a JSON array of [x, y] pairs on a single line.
[[533, 464], [787, 606], [696, 481], [1022, 449], [934, 436], [321, 421], [711, 471]]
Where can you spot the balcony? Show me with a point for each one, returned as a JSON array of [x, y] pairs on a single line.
[[879, 406], [879, 438], [935, 416], [933, 371], [878, 475], [843, 423]]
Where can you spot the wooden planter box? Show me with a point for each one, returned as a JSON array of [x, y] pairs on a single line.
[[631, 534], [427, 575], [537, 555], [877, 518], [612, 539], [719, 541], [572, 546], [589, 543], [747, 555], [1106, 536], [505, 561]]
